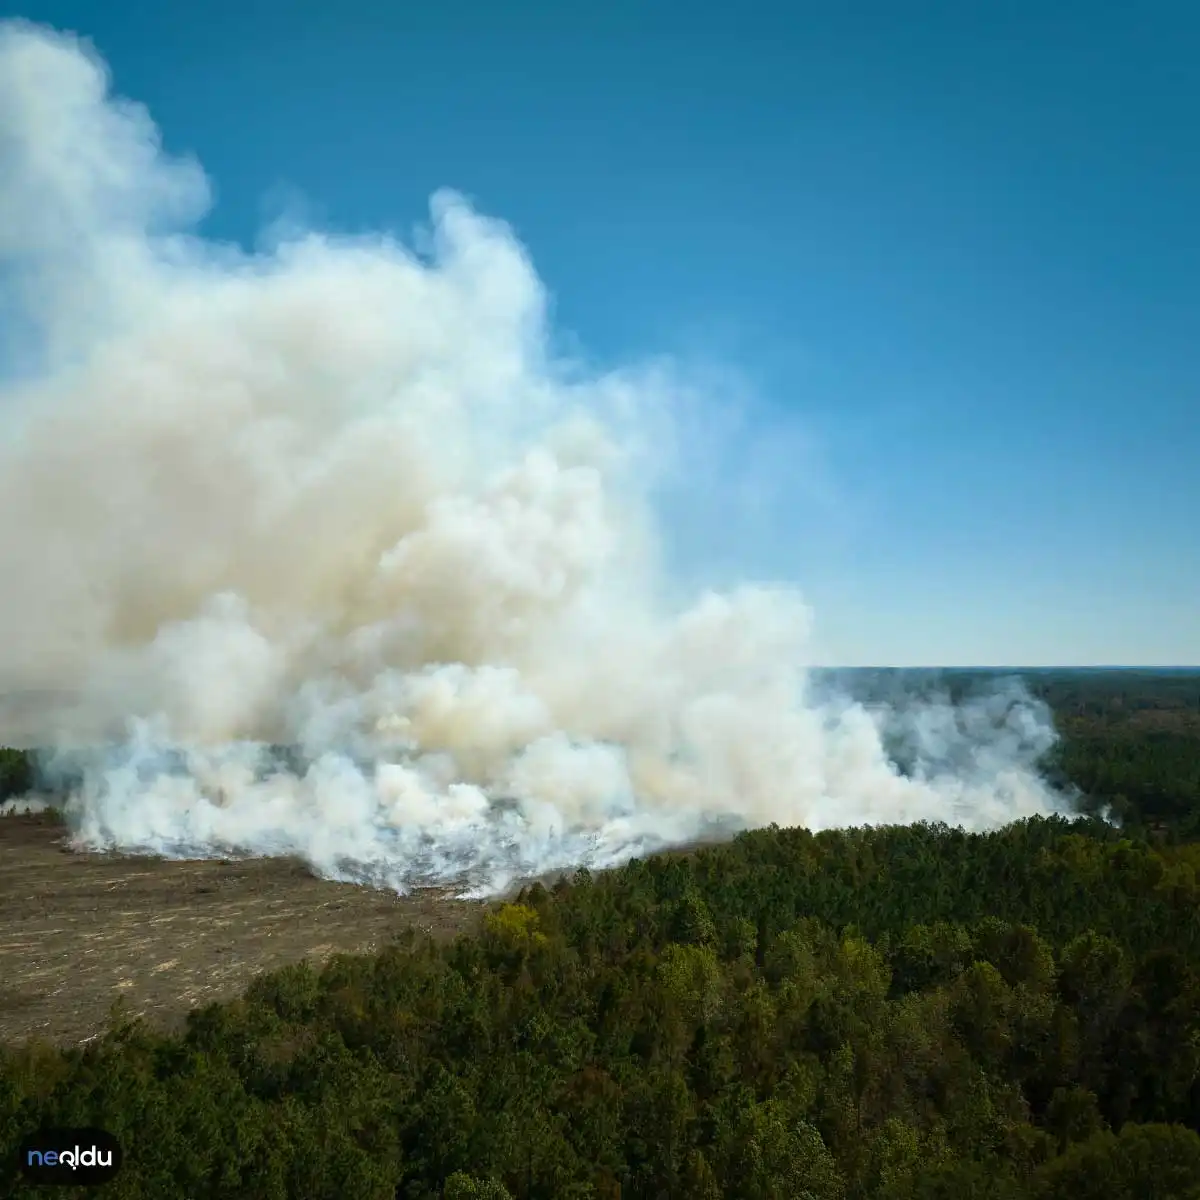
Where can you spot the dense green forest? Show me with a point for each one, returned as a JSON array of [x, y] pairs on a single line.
[[902, 1013]]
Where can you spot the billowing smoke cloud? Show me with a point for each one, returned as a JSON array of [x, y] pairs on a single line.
[[345, 564]]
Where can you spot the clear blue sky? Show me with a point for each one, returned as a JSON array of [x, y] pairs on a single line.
[[951, 248]]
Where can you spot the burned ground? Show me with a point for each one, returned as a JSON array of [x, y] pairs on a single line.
[[82, 931]]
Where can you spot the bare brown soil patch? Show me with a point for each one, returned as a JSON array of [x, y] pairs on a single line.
[[79, 931]]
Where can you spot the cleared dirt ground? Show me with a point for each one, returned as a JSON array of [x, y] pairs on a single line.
[[80, 931]]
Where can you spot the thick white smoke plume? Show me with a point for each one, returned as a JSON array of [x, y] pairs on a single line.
[[348, 566]]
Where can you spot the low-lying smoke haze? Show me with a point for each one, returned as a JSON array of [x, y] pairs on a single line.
[[340, 496]]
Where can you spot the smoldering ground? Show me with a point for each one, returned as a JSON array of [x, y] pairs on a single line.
[[340, 495]]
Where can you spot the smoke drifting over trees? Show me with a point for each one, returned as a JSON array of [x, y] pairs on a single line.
[[339, 495]]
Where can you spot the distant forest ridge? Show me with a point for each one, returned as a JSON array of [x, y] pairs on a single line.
[[996, 670]]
